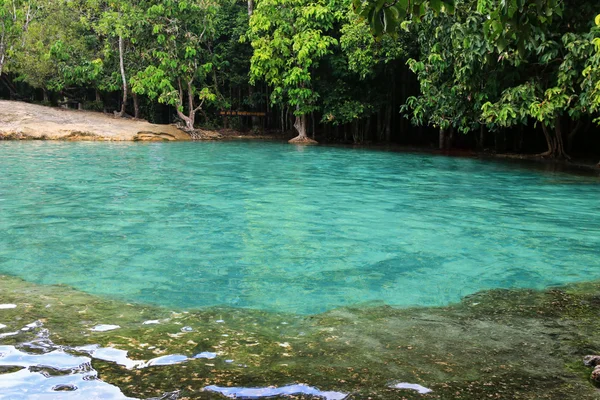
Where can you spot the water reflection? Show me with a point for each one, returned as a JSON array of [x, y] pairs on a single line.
[[41, 369], [49, 371], [291, 390]]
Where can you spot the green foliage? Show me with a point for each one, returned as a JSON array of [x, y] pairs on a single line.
[[15, 19], [289, 38], [385, 17]]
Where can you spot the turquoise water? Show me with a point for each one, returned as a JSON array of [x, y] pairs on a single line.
[[284, 228]]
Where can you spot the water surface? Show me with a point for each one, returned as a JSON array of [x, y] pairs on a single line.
[[284, 228]]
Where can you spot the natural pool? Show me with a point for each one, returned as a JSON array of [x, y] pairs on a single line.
[[283, 228], [288, 259]]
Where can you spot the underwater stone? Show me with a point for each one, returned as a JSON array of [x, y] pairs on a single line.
[[412, 386], [596, 374], [591, 361], [187, 329], [64, 388]]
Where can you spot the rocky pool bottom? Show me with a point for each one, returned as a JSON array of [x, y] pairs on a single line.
[[500, 344]]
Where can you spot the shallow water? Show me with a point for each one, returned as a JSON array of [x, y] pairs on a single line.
[[284, 228]]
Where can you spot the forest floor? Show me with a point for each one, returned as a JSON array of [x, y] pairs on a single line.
[[23, 121]]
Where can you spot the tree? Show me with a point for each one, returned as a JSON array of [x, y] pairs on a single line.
[[15, 18], [557, 84], [121, 22], [289, 38], [182, 64], [456, 71]]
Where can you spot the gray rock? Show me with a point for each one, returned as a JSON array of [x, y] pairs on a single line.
[[591, 361]]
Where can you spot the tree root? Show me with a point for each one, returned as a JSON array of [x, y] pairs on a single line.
[[302, 140]]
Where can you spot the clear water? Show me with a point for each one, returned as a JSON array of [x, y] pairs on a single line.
[[284, 228]]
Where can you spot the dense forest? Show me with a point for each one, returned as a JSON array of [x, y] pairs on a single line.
[[519, 75]]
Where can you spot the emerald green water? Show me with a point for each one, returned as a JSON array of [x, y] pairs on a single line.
[[284, 228]]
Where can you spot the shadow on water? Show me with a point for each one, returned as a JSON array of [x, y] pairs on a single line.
[[59, 343]]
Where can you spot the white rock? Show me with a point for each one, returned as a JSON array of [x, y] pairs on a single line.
[[7, 306], [151, 322]]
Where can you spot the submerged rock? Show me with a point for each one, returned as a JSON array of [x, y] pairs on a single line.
[[591, 361]]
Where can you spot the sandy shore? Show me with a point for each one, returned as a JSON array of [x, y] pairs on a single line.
[[20, 120]]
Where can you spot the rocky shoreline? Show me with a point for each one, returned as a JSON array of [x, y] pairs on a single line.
[[501, 344], [24, 121]]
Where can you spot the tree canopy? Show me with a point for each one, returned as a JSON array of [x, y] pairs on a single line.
[[343, 70]]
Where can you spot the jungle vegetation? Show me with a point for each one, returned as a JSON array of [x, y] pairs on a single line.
[[510, 75]]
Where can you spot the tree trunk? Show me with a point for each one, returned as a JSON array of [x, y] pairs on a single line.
[[572, 135], [556, 148], [560, 146], [123, 77], [355, 128], [300, 126], [189, 121], [136, 106], [442, 141], [250, 7], [481, 138], [45, 92], [312, 118], [2, 51], [450, 138], [388, 123], [98, 98], [379, 126]]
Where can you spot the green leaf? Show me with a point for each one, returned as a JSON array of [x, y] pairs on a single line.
[[598, 20], [436, 5]]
